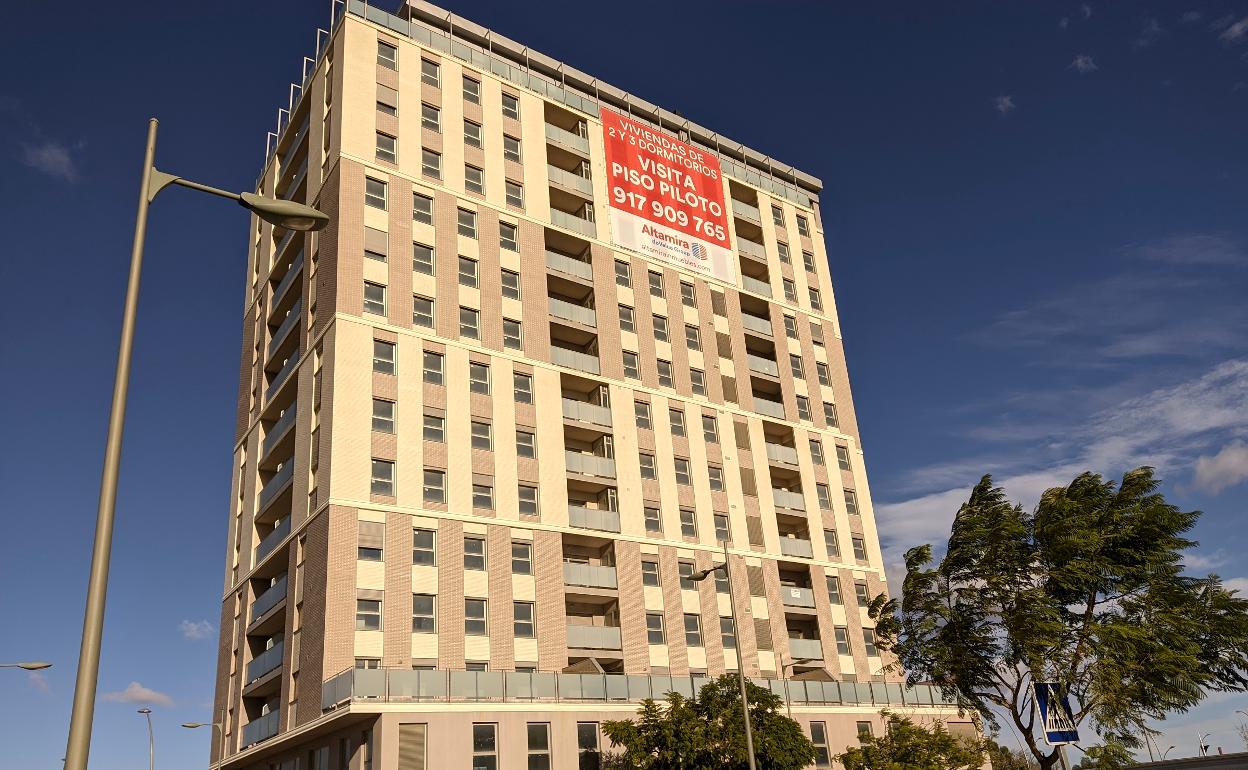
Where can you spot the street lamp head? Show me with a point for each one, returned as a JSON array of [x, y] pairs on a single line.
[[34, 665], [288, 214], [703, 574], [145, 710], [193, 725]]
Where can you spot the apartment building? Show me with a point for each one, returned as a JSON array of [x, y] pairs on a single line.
[[494, 417]]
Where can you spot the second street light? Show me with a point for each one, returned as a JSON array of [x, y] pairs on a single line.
[[151, 739], [218, 725], [28, 665], [698, 577], [282, 213]]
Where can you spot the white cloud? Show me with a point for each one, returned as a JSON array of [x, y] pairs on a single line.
[[1150, 33], [1003, 104], [1083, 64], [1227, 468], [1191, 17], [1086, 10], [1239, 584], [52, 158], [194, 630], [38, 681], [1192, 249], [1235, 32], [137, 693]]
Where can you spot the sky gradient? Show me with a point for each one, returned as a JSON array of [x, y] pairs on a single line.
[[1036, 225]]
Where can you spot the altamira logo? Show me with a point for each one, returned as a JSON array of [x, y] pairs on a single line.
[[696, 249]]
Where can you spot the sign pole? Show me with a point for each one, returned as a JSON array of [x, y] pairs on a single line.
[[1061, 754]]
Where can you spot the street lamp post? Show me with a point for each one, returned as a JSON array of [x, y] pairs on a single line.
[[286, 214], [29, 665], [218, 725], [698, 577], [788, 700], [1167, 751], [1200, 743], [151, 739]]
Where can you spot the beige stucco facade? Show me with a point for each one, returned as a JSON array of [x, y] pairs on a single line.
[[453, 504]]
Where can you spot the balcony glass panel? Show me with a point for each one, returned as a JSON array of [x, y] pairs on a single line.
[[583, 411], [261, 728], [594, 518], [806, 648], [794, 546], [570, 266], [265, 662], [568, 311], [594, 637], [589, 575], [269, 599], [590, 465]]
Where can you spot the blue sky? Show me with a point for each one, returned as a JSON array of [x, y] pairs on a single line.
[[1035, 216]]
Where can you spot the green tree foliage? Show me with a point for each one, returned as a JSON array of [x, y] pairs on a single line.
[[1112, 755], [707, 733], [1005, 758], [909, 746], [1087, 590]]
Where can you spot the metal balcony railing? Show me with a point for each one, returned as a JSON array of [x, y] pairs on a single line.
[[282, 376], [401, 685], [594, 637], [287, 280], [292, 320], [271, 540], [594, 518], [583, 411], [269, 599], [265, 662], [278, 429], [571, 312], [275, 485], [589, 465], [568, 265], [589, 575], [795, 546]]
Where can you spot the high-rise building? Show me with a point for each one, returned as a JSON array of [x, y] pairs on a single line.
[[555, 347]]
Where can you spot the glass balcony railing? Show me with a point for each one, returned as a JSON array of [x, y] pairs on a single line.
[[570, 181], [571, 312], [756, 324], [280, 379], [589, 465], [594, 518], [781, 453], [403, 685], [588, 575], [573, 222], [265, 662], [583, 411], [567, 139], [569, 266], [796, 546], [796, 596], [287, 280], [278, 430], [269, 599], [784, 498], [746, 211], [574, 359], [271, 540], [756, 286], [762, 365], [261, 728], [768, 407], [594, 637], [292, 320], [752, 249], [274, 487], [811, 649]]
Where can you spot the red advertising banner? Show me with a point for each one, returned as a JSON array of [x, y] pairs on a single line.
[[667, 198]]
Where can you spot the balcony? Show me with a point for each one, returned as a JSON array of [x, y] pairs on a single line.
[[265, 662], [292, 320], [266, 601], [747, 212], [589, 465], [275, 486], [795, 596], [567, 139], [583, 411], [781, 453], [570, 181], [296, 180], [756, 286], [796, 546], [811, 649], [569, 266], [756, 324], [283, 286], [278, 430], [768, 407], [573, 222], [282, 375], [594, 637], [594, 518], [261, 728], [271, 540], [588, 575], [784, 498], [574, 359], [751, 249], [572, 312], [762, 365]]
